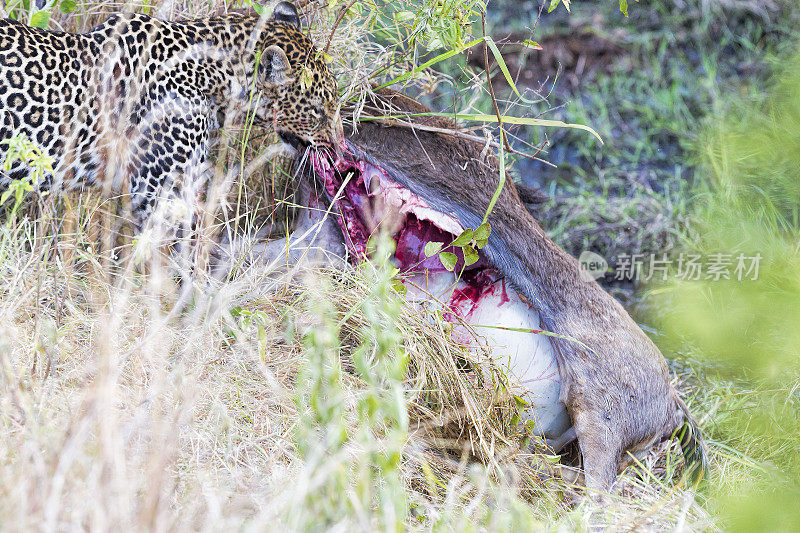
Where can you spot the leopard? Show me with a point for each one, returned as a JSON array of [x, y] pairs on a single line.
[[134, 106]]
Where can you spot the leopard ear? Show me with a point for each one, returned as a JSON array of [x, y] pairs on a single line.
[[286, 12], [275, 65]]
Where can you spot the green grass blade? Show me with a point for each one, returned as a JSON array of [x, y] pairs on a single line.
[[506, 119], [504, 68], [430, 63], [501, 155]]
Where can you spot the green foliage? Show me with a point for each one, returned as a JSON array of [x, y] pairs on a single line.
[[381, 361], [20, 148], [748, 330], [656, 75], [68, 6], [433, 24], [39, 19], [257, 7], [437, 24], [623, 5], [449, 260], [469, 242], [371, 484], [27, 11], [254, 323], [322, 429], [752, 205]]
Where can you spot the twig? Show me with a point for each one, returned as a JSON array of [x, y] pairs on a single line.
[[336, 25]]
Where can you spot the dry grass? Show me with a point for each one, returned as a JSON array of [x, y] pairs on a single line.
[[127, 403], [116, 412]]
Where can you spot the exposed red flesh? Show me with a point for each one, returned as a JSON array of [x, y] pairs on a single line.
[[411, 239], [477, 301], [364, 205], [479, 283]]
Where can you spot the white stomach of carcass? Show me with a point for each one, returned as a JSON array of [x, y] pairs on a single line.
[[506, 325]]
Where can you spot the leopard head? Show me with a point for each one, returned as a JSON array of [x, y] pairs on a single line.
[[299, 92]]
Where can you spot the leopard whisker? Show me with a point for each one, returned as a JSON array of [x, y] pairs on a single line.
[[302, 162]]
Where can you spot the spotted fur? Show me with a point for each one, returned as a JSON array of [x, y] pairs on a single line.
[[132, 105]]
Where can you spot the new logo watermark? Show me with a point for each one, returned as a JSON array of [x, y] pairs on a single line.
[[593, 266]]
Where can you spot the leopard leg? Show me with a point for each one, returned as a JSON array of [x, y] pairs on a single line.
[[169, 171]]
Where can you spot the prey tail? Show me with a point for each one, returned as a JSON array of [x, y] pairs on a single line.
[[695, 457]]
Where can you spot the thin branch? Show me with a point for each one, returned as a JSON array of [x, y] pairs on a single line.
[[336, 25]]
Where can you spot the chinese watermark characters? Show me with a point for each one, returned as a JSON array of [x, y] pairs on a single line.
[[661, 267]]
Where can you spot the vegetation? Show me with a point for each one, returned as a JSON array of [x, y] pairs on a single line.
[[322, 400], [645, 83], [746, 333]]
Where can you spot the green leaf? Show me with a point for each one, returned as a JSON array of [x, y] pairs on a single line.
[[448, 260], [533, 45], [405, 16], [40, 19], [306, 78], [623, 6], [504, 68], [67, 6], [528, 122], [520, 401], [451, 36], [399, 286], [6, 194], [552, 459], [470, 255], [433, 44], [482, 234], [432, 248], [464, 239]]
